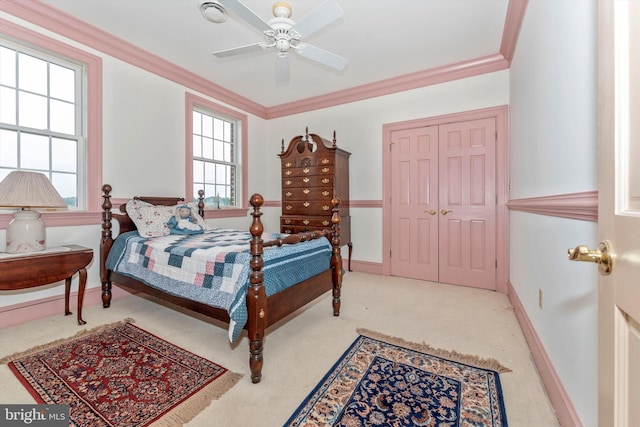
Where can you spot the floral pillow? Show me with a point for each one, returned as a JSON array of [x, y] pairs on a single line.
[[152, 220]]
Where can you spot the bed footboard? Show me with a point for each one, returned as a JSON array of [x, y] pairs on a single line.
[[257, 306]]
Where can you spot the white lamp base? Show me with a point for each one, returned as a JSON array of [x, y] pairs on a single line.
[[25, 232]]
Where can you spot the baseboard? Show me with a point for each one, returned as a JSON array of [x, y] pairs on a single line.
[[52, 306], [566, 412], [363, 266]]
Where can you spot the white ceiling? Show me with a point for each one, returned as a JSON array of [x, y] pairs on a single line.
[[381, 39]]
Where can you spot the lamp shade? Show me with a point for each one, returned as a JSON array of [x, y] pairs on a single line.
[[26, 190], [22, 189]]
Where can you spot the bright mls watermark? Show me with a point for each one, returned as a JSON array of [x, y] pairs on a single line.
[[34, 415]]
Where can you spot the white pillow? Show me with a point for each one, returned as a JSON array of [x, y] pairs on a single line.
[[150, 220]]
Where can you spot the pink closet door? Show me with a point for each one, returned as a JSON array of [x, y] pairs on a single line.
[[414, 204], [467, 203]]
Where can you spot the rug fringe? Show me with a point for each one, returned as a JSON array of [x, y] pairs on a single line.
[[56, 343], [193, 406], [467, 359]]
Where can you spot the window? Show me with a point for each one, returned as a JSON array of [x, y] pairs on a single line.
[[214, 158], [216, 153], [41, 118]]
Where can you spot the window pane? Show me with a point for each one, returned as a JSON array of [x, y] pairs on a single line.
[[8, 148], [227, 152], [221, 174], [210, 193], [62, 83], [32, 74], [34, 151], [66, 185], [218, 131], [218, 151], [62, 117], [7, 105], [207, 126], [198, 171], [197, 146], [7, 66], [207, 148], [227, 131], [210, 173], [32, 111], [197, 123], [63, 155]]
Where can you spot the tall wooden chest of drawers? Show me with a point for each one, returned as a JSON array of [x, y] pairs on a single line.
[[314, 171]]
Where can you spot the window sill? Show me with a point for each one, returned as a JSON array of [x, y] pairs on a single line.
[[225, 213], [60, 219]]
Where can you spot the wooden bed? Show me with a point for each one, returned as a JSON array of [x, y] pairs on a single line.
[[263, 311]]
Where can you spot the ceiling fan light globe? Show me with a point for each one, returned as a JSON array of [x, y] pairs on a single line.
[[281, 9]]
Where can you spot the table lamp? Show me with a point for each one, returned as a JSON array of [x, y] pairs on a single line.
[[26, 190]]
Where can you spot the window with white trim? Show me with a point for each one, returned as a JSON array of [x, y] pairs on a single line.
[[42, 118], [216, 162]]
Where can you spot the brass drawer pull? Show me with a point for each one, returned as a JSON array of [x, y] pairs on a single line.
[[306, 180], [325, 161], [325, 181], [325, 223], [305, 222], [288, 164], [288, 173], [305, 170], [306, 204], [287, 221], [325, 208], [325, 193], [289, 207], [325, 170], [287, 182], [306, 191], [288, 193]]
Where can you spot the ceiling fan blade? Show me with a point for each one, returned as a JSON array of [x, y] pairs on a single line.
[[246, 14], [282, 69], [320, 17], [238, 50], [323, 56]]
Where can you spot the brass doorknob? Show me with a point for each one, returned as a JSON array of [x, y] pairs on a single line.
[[601, 256], [431, 212], [445, 211]]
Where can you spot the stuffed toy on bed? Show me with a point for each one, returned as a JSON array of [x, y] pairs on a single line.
[[183, 222]]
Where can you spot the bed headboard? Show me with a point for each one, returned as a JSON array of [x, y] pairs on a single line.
[[124, 221]]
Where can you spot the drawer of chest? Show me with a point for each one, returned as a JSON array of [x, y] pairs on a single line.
[[307, 181], [307, 171], [311, 222], [307, 193], [306, 207], [306, 162]]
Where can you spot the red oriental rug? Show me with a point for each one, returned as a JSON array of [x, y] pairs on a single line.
[[121, 375]]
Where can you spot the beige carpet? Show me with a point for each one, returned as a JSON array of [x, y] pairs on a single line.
[[300, 349]]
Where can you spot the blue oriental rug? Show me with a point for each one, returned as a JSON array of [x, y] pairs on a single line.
[[386, 381]]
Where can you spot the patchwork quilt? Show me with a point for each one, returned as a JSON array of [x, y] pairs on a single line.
[[213, 267]]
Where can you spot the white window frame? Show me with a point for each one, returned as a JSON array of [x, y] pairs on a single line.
[[93, 125], [195, 103], [79, 131]]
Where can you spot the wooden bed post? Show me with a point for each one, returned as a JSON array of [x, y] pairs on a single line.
[[336, 256], [105, 245], [256, 295]]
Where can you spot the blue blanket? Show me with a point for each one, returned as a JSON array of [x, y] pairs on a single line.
[[213, 268]]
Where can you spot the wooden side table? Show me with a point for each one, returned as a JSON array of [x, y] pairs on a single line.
[[21, 271]]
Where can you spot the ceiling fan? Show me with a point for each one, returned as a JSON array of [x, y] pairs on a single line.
[[285, 35]]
